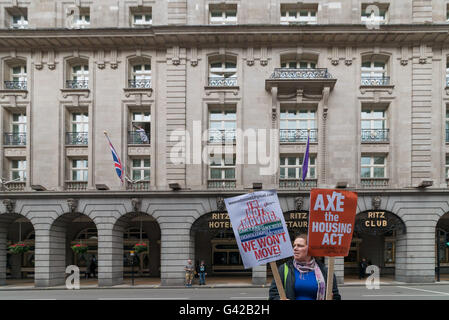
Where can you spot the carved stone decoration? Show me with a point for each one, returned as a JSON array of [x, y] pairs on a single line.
[[250, 56], [10, 205], [194, 57], [263, 56], [221, 204], [113, 59], [73, 204], [375, 202], [299, 201], [175, 59], [136, 204], [100, 59], [38, 60], [51, 60]]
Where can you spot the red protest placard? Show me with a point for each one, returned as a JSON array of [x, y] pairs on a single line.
[[331, 222]]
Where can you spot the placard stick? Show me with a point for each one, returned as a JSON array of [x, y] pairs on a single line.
[[330, 278], [277, 279]]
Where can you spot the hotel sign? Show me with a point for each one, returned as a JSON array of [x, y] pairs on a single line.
[[219, 220]]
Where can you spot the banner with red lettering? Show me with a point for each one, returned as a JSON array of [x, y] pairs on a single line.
[[259, 227], [331, 222]]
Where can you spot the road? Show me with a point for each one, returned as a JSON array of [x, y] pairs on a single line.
[[393, 292]]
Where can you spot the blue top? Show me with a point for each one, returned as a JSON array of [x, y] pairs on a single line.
[[305, 288]]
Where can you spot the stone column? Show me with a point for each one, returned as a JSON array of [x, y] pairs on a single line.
[[110, 253], [3, 252]]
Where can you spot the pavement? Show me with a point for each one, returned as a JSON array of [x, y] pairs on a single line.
[[211, 282]]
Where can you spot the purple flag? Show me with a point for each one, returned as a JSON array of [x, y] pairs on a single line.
[[305, 162]]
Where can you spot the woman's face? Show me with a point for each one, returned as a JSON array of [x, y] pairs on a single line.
[[300, 250]]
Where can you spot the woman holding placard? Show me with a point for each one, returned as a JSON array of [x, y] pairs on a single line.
[[303, 277]]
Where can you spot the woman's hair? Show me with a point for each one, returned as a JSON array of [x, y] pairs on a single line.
[[301, 236]]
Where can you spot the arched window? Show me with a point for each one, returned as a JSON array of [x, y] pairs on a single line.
[[374, 70], [222, 71], [15, 74], [139, 73], [77, 74]]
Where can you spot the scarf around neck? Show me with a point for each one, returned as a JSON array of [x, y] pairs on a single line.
[[304, 267]]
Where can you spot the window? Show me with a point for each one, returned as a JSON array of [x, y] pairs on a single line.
[[373, 167], [374, 71], [140, 76], [374, 14], [17, 76], [222, 125], [223, 73], [19, 22], [298, 64], [222, 167], [79, 169], [79, 76], [291, 167], [18, 170], [79, 126], [374, 125], [223, 14], [140, 128], [295, 123], [19, 123], [83, 19], [141, 17], [140, 169], [301, 15]]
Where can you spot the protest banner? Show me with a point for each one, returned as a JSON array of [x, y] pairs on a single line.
[[331, 225], [260, 230]]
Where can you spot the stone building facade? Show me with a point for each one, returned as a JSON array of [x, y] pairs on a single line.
[[366, 81]]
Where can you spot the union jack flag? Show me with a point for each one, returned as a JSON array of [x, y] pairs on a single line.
[[116, 159]]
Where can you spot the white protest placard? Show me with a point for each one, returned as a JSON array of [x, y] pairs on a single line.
[[259, 228]]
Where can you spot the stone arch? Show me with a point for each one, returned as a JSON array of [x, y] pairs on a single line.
[[13, 230], [442, 246]]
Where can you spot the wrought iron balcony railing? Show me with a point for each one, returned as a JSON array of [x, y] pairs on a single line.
[[139, 84], [375, 135], [77, 84], [138, 185], [297, 135], [136, 137], [15, 85], [15, 139], [76, 138], [297, 184], [76, 185], [222, 82], [375, 81], [374, 182], [293, 74], [221, 136], [221, 184]]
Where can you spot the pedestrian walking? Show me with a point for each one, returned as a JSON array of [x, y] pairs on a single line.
[[304, 277], [362, 268], [202, 273], [93, 266], [189, 269]]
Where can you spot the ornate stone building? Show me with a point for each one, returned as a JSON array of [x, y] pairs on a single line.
[[367, 82]]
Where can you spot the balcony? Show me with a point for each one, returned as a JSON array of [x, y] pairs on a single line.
[[76, 138], [139, 84], [375, 135], [221, 184], [14, 139], [15, 85], [222, 136], [289, 80], [136, 137], [374, 182], [222, 82], [13, 186], [76, 185], [297, 135], [375, 81], [138, 185], [77, 84], [297, 184]]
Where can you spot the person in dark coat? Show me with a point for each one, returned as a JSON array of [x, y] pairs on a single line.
[[202, 272], [93, 266], [303, 277], [362, 268]]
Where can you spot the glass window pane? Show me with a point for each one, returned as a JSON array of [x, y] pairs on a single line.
[[365, 173], [146, 163], [215, 173], [379, 172], [292, 172], [291, 161], [379, 160], [366, 160], [229, 173]]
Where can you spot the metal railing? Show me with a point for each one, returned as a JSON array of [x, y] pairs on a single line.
[[138, 185], [222, 82], [374, 182], [375, 81], [15, 85], [76, 185], [297, 135], [375, 135], [293, 74], [77, 84], [76, 138], [221, 184], [297, 184], [15, 139], [136, 137], [221, 136], [139, 84]]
